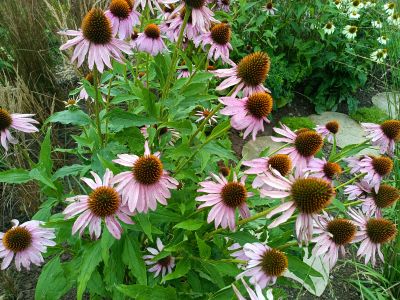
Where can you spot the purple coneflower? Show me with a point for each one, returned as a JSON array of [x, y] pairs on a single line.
[[372, 234], [309, 195], [150, 40], [172, 27], [385, 135], [175, 135], [265, 264], [279, 162], [332, 236], [103, 203], [219, 40], [373, 202], [269, 8], [201, 15], [329, 130], [248, 113], [224, 5], [148, 3], [167, 11], [146, 183], [375, 167], [19, 122], [224, 197], [248, 76], [96, 40], [123, 17], [26, 242], [204, 113], [305, 144], [323, 169], [162, 266], [183, 73], [254, 295]]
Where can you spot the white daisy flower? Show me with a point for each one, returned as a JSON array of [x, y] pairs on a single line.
[[379, 55], [354, 15], [389, 7], [350, 31], [355, 6], [376, 24], [71, 102], [329, 28], [338, 4], [394, 19], [269, 8], [382, 40]]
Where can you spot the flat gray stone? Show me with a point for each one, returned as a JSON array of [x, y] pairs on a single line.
[[252, 149], [387, 102], [350, 132]]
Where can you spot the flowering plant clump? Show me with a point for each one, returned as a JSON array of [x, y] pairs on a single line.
[[167, 210], [326, 50]]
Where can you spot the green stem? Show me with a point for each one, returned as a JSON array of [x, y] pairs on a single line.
[[108, 106], [175, 54], [264, 213], [276, 150], [180, 166], [147, 72], [333, 152], [350, 181], [97, 103]]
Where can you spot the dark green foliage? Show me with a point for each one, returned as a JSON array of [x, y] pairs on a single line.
[[369, 115], [295, 123]]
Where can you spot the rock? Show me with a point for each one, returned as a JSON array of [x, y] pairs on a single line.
[[350, 132], [252, 148], [382, 101]]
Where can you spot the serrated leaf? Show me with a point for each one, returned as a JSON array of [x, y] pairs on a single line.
[[72, 170], [52, 283], [74, 117], [40, 175], [190, 224], [132, 257], [181, 269], [91, 258], [16, 176], [144, 222], [204, 249], [142, 292], [120, 119]]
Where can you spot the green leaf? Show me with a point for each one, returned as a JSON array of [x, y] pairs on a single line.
[[74, 117], [182, 267], [15, 176], [120, 119], [52, 283], [45, 153], [349, 150], [142, 292], [302, 270], [40, 175], [144, 222], [107, 240], [204, 249], [72, 170], [132, 257], [91, 258], [190, 224]]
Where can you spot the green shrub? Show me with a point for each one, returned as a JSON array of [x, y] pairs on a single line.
[[295, 123], [327, 68], [369, 115]]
